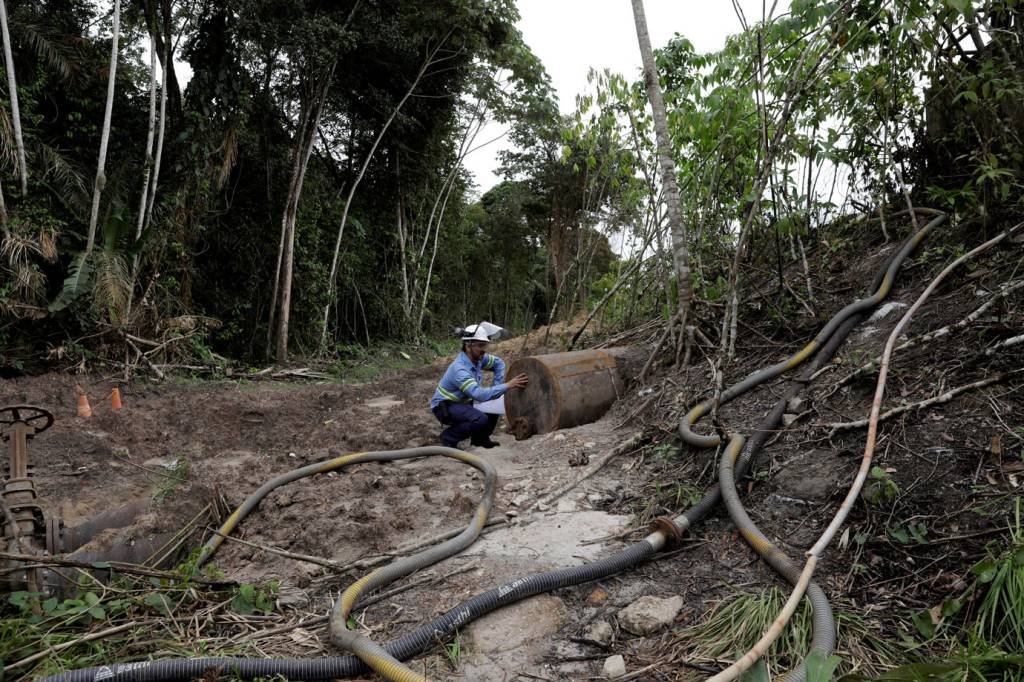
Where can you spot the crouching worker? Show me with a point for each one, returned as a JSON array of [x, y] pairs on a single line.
[[461, 384]]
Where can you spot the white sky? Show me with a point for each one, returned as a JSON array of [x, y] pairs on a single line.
[[571, 36]]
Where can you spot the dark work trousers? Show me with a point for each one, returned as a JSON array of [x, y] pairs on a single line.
[[464, 421]]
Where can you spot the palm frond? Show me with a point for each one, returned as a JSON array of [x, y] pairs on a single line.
[[75, 285], [47, 241], [110, 288], [48, 48], [66, 180], [29, 281], [8, 149], [230, 147], [17, 248]]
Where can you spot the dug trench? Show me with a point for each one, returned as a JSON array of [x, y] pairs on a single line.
[[948, 474]]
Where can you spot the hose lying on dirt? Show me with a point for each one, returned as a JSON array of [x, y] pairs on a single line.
[[444, 626], [759, 377], [823, 623], [372, 654]]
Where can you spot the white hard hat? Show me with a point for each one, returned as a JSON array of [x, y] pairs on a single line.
[[485, 331], [475, 332]]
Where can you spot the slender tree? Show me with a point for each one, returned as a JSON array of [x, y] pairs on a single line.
[[670, 194], [286, 250], [12, 86], [3, 213], [473, 128], [101, 178], [430, 60], [147, 171]]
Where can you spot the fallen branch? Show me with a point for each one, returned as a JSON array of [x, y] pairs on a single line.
[[303, 373], [629, 333], [657, 348], [149, 363], [326, 563], [116, 566], [836, 427], [1005, 343], [67, 645]]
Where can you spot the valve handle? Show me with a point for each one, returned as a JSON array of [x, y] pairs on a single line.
[[25, 414]]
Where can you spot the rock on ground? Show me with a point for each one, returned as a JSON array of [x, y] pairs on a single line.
[[650, 614], [599, 633], [614, 667]]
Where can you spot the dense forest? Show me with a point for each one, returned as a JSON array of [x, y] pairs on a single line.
[[303, 190]]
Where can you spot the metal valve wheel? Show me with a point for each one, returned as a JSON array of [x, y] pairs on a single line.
[[30, 415]]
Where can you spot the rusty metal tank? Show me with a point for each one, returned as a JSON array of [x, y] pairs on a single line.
[[565, 389]]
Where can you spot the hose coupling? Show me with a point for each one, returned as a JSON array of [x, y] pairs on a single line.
[[667, 527]]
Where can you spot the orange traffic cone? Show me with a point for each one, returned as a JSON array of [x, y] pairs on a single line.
[[115, 399], [84, 410]]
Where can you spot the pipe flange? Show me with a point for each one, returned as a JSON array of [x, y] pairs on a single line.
[[668, 528]]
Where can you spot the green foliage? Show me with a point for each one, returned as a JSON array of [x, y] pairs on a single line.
[[251, 599], [538, 246], [820, 668], [739, 620], [1000, 618], [227, 162], [905, 533], [987, 643], [453, 652], [169, 479], [881, 487]]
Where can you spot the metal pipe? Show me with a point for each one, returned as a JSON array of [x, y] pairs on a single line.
[[565, 390]]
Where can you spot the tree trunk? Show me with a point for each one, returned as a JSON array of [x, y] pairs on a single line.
[[427, 63], [146, 173], [162, 29], [3, 213], [283, 239], [12, 85], [402, 239], [680, 251], [465, 145], [101, 178], [286, 258]]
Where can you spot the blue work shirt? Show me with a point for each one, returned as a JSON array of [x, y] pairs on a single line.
[[462, 381]]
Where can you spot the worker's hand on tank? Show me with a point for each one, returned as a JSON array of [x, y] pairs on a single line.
[[517, 381]]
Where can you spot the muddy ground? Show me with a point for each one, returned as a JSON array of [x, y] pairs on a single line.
[[956, 467]]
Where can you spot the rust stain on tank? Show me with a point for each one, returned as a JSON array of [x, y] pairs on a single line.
[[565, 389]]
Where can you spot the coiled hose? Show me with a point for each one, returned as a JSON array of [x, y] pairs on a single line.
[[444, 626]]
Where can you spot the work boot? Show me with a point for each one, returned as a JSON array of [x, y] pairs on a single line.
[[488, 443]]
